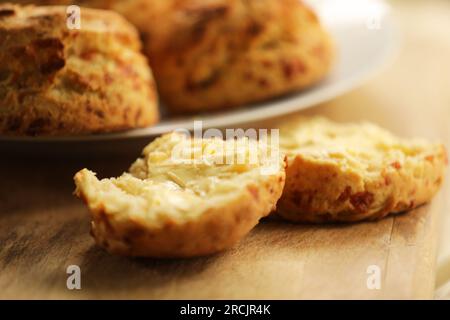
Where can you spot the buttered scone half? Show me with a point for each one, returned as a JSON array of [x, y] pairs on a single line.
[[216, 54], [56, 79], [352, 172], [185, 197]]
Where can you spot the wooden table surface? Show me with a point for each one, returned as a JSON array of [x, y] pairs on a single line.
[[44, 228]]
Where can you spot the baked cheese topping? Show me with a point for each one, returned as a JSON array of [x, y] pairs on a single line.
[[354, 147], [184, 176]]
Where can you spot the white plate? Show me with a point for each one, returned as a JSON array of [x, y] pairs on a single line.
[[366, 39]]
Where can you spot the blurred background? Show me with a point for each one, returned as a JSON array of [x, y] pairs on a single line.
[[410, 97]]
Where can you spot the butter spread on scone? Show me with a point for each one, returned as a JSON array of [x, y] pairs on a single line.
[[181, 206], [352, 172], [209, 55], [58, 81]]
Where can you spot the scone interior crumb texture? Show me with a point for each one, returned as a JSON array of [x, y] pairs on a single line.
[[167, 206], [60, 81], [351, 172]]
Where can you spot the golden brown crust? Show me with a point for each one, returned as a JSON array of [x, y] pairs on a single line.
[[217, 229], [62, 81], [324, 185], [217, 54]]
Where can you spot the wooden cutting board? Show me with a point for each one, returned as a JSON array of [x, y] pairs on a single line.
[[44, 229]]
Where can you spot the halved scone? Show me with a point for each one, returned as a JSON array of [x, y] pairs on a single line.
[[352, 172], [183, 198]]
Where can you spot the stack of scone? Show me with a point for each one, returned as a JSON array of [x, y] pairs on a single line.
[[205, 55], [170, 206]]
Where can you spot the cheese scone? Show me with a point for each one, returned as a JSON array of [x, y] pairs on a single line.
[[216, 54], [60, 81], [171, 204], [352, 172]]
